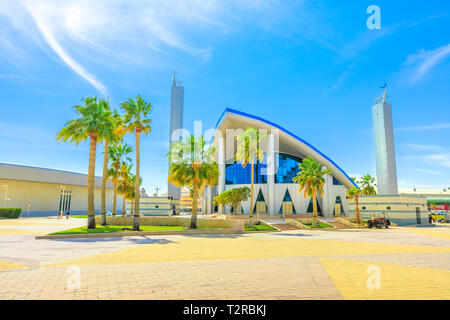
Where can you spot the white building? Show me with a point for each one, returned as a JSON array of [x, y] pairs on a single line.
[[274, 191]]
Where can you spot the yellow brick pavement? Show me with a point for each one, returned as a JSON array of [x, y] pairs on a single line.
[[397, 282], [194, 249]]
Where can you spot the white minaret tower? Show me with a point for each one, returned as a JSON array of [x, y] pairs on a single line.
[[176, 122], [384, 146]]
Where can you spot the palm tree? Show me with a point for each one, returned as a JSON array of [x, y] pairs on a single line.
[[113, 135], [93, 122], [137, 121], [249, 151], [192, 166], [353, 195], [311, 180], [118, 154], [125, 186], [368, 185]]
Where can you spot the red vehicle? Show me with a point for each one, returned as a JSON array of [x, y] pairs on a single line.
[[379, 220]]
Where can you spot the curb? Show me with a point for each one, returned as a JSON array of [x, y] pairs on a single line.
[[134, 234]]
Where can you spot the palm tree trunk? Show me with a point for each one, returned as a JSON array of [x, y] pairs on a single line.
[[136, 187], [252, 175], [124, 201], [114, 198], [358, 213], [132, 207], [314, 223], [194, 206], [91, 182], [104, 179]]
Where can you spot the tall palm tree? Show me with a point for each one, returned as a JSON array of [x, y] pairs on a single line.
[[192, 166], [368, 185], [137, 121], [249, 151], [311, 179], [118, 155], [124, 184], [93, 122], [353, 195], [114, 135]]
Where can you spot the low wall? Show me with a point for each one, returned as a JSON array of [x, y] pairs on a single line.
[[236, 225]]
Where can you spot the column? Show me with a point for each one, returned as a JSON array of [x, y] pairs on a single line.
[[221, 161], [271, 175]]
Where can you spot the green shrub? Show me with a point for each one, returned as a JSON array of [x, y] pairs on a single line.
[[10, 213]]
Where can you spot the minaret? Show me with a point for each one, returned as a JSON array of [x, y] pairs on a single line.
[[176, 122], [384, 146]]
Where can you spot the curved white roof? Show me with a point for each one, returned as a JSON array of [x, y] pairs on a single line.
[[288, 142]]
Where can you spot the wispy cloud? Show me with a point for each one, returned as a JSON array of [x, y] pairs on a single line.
[[423, 147], [429, 171], [423, 61], [47, 33], [438, 159], [437, 126], [85, 34]]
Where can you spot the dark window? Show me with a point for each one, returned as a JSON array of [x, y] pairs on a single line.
[[156, 206], [389, 208], [364, 208], [336, 182]]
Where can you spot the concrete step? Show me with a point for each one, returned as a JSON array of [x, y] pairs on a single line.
[[285, 226]]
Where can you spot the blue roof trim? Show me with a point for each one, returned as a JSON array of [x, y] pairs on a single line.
[[285, 131]]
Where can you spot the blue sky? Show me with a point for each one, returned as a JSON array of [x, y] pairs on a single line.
[[312, 67]]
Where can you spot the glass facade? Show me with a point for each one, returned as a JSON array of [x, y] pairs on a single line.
[[286, 164], [336, 182], [235, 174], [287, 168]]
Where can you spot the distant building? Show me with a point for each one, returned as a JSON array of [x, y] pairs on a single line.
[[143, 193], [155, 206], [46, 192], [438, 199]]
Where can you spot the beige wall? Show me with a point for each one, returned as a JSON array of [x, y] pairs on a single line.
[[155, 205], [44, 197], [401, 209]]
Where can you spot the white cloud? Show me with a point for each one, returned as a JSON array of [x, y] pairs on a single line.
[[423, 61], [437, 126], [429, 171], [423, 147], [438, 159], [120, 33]]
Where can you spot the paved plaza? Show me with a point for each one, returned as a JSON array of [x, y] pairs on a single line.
[[399, 263]]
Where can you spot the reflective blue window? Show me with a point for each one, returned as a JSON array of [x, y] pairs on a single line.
[[235, 174], [287, 166], [336, 182]]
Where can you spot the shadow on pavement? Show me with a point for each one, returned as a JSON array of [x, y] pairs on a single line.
[[135, 239]]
